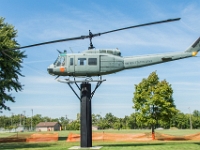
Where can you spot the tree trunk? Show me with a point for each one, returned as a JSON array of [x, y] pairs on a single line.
[[153, 132]]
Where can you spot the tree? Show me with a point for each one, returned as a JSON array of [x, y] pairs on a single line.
[[153, 101], [64, 121], [131, 121], [10, 64], [110, 119], [196, 119], [196, 113], [182, 120], [102, 123]]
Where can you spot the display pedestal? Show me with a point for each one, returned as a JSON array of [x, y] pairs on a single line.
[[85, 111], [86, 115]]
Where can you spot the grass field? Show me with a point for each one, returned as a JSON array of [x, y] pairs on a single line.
[[63, 145]]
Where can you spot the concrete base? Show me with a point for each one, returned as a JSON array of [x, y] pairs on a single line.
[[78, 147]]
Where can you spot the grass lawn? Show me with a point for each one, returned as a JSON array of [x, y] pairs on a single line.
[[63, 145]]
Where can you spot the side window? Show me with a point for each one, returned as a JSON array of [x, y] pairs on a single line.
[[102, 51], [92, 61], [82, 61], [71, 61]]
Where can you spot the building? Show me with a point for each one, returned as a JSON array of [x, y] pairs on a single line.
[[48, 126], [94, 128]]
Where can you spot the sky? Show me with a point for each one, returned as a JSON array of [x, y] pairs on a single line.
[[40, 21]]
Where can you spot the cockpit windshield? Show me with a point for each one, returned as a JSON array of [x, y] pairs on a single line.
[[60, 61]]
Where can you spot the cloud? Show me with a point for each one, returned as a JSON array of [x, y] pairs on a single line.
[[190, 14]]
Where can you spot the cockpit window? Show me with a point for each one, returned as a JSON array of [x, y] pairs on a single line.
[[60, 61], [56, 61]]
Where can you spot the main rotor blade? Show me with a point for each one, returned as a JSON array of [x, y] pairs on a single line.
[[56, 41], [140, 25], [98, 34]]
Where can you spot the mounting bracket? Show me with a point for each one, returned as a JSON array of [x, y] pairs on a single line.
[[69, 82]]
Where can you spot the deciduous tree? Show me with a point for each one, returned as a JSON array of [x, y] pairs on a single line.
[[153, 100]]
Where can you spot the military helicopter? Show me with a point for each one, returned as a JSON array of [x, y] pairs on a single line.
[[98, 62]]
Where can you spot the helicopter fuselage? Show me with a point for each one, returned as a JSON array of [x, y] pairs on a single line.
[[89, 63], [101, 62]]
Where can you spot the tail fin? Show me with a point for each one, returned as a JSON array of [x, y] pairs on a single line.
[[195, 48]]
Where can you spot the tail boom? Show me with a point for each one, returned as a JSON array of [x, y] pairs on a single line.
[[142, 61]]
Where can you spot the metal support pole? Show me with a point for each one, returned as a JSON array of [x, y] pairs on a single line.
[[85, 108], [86, 115]]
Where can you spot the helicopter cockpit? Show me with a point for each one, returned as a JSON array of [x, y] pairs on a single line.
[[60, 61]]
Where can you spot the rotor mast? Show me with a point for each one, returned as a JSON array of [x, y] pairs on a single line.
[[90, 36]]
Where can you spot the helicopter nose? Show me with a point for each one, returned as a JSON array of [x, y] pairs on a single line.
[[50, 69]]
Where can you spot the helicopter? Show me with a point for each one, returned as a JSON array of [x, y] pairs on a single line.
[[98, 62]]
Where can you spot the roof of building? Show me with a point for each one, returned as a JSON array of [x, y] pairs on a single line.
[[47, 124]]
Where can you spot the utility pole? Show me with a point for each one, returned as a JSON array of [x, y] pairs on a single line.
[[65, 121], [190, 118], [11, 120], [32, 120], [20, 120], [24, 119]]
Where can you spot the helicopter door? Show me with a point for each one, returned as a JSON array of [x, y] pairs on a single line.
[[86, 65], [80, 64], [93, 63], [71, 64]]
